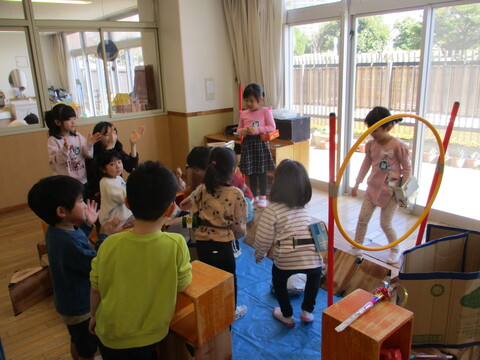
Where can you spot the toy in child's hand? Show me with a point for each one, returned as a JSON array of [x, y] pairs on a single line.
[[380, 294]]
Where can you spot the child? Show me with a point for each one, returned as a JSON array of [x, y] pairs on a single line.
[[221, 213], [285, 223], [113, 189], [67, 150], [197, 163], [256, 157], [58, 201], [109, 140], [137, 274], [390, 162]]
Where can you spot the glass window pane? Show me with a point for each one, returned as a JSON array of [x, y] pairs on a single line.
[[11, 10], [454, 74], [75, 76], [315, 85], [386, 74], [112, 10], [297, 4], [131, 74], [17, 85]]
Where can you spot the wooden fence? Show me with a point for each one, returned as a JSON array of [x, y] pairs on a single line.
[[391, 80]]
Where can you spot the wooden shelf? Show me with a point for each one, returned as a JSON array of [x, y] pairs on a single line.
[[281, 149]]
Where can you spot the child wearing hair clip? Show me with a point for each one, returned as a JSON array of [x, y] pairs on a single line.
[[285, 223], [389, 160], [67, 149], [221, 213], [256, 157]]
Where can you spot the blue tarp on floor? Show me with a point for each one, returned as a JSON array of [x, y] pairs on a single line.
[[258, 335]]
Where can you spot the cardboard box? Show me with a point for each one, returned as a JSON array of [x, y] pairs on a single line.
[[442, 278], [295, 129]]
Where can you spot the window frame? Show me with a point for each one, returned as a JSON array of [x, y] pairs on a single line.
[[33, 28]]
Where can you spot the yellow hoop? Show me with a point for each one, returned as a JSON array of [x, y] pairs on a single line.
[[439, 170]]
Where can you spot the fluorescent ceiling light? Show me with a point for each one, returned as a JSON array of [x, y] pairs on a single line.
[[73, 2]]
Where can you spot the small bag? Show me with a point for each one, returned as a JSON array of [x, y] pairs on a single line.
[[406, 193]]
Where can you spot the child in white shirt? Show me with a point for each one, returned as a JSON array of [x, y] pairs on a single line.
[[113, 189]]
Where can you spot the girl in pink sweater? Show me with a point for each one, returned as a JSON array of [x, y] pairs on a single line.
[[67, 149], [256, 157], [389, 160]]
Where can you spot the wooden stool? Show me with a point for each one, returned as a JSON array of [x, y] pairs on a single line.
[[384, 326], [204, 312]]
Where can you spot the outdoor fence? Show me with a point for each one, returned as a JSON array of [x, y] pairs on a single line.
[[391, 80]]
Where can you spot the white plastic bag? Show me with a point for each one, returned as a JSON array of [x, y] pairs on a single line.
[[283, 113]]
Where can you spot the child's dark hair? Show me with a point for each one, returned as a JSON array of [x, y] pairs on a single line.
[[221, 162], [106, 157], [253, 89], [198, 157], [60, 112], [151, 188], [102, 128], [379, 113], [291, 185], [51, 192]]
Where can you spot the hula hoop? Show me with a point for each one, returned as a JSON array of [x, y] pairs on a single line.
[[438, 169]]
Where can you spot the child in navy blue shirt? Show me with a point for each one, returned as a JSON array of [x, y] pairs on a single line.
[[58, 201]]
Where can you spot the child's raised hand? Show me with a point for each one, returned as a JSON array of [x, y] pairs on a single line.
[[137, 134], [111, 226], [65, 142], [92, 139], [91, 213]]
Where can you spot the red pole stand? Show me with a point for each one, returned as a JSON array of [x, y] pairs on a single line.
[[331, 220], [240, 97], [446, 140]]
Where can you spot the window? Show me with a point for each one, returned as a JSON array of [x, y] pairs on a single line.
[[100, 72], [454, 74], [315, 82], [387, 65], [414, 61]]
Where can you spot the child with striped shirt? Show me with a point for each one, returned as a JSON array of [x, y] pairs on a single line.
[[285, 224]]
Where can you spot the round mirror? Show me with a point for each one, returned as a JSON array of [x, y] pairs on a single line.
[[18, 81]]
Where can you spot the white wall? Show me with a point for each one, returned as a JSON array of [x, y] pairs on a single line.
[[206, 54], [195, 46]]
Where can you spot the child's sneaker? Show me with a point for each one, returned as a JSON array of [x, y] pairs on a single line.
[[356, 251], [240, 311], [307, 317], [262, 202], [255, 200], [237, 252], [287, 321], [394, 256]]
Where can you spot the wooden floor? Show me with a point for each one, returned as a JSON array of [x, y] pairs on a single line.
[[39, 333]]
